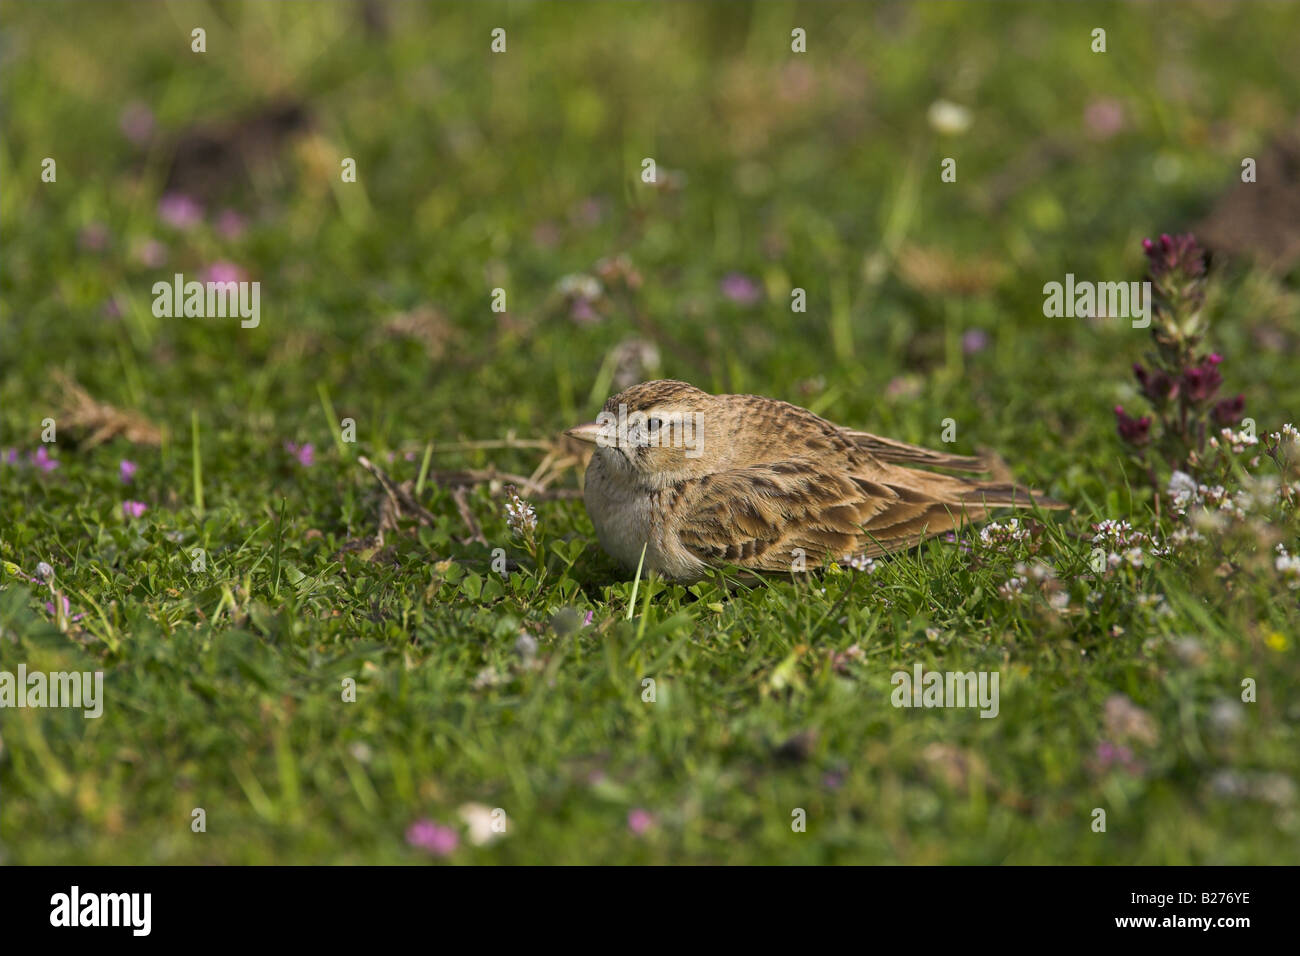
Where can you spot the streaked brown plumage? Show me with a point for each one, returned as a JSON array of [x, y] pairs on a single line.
[[764, 483]]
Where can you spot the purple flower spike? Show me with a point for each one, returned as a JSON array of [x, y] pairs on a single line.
[[223, 271], [137, 123], [67, 609], [1103, 118], [432, 837], [305, 454], [582, 312], [1158, 387], [93, 238], [639, 820], [1180, 254], [151, 253], [1230, 410], [740, 289], [42, 460], [974, 340], [180, 211], [1135, 431], [1201, 382], [230, 224]]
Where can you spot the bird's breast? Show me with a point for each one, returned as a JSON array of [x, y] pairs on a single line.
[[620, 512], [629, 517]]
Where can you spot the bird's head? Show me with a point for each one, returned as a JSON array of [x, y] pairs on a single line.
[[656, 433]]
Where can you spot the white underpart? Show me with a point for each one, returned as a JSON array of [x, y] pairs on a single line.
[[621, 510]]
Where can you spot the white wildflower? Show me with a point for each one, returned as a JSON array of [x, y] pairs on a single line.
[[1182, 491], [1212, 522], [1238, 440], [526, 646], [1000, 535], [520, 516], [579, 286], [1260, 493], [948, 118], [1118, 534], [860, 562], [1038, 569], [483, 823], [1013, 587], [1288, 566]]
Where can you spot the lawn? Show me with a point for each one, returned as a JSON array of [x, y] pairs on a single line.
[[330, 677]]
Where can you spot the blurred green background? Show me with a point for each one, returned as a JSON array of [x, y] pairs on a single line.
[[477, 171]]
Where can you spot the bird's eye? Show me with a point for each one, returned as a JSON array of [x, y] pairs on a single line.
[[654, 425]]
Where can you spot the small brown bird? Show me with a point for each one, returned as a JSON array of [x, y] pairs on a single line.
[[701, 481]]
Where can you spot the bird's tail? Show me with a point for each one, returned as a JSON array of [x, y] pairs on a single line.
[[928, 504]]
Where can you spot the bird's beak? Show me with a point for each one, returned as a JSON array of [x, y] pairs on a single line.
[[588, 432]]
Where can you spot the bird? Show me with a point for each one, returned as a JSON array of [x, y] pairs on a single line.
[[682, 482]]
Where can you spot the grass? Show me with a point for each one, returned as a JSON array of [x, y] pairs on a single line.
[[225, 685]]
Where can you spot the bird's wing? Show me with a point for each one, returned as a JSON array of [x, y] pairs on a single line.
[[757, 516], [776, 422], [888, 449]]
